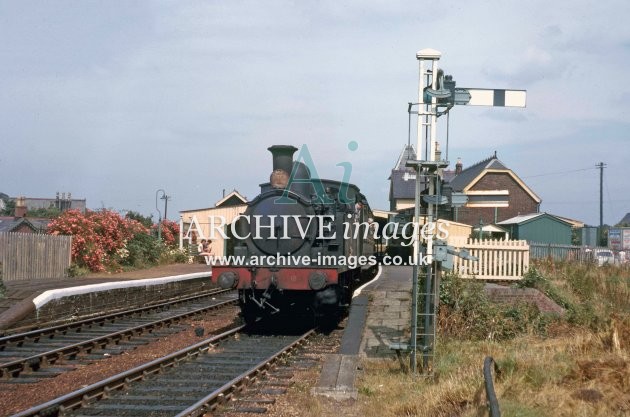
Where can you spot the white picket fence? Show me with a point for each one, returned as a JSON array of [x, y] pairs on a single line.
[[498, 259]]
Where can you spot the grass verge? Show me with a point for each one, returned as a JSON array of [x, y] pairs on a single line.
[[575, 365]]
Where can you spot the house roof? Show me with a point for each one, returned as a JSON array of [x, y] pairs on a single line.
[[40, 223], [448, 175], [407, 154], [525, 218], [227, 201], [471, 175], [574, 223], [490, 228], [461, 181], [232, 199], [403, 178], [9, 224], [403, 184], [625, 220]]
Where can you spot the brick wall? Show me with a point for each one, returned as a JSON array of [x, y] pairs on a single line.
[[23, 228], [509, 295], [85, 305], [388, 321], [520, 202]]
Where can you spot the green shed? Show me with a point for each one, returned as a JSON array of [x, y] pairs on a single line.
[[539, 228]]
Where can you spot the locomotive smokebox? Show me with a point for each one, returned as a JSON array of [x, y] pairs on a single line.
[[282, 164]]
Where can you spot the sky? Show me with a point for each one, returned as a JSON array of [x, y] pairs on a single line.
[[114, 100]]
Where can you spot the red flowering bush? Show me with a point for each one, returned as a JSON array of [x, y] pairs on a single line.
[[170, 232], [99, 238]]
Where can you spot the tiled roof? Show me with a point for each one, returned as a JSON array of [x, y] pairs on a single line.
[[10, 223], [233, 198], [7, 224], [41, 224], [403, 178], [460, 181], [404, 184], [407, 154]]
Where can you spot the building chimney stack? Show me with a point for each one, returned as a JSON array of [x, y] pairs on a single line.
[[20, 207], [458, 166]]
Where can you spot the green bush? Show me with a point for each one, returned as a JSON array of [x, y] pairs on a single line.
[[466, 312], [584, 315], [142, 250], [177, 256], [535, 279], [76, 271], [146, 221]]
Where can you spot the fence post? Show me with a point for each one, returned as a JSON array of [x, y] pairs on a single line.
[[491, 396]]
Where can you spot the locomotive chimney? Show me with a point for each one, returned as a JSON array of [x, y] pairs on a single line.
[[282, 164]]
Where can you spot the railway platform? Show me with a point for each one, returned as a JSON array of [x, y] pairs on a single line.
[[58, 299], [380, 314]]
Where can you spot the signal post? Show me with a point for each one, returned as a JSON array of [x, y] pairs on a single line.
[[437, 95]]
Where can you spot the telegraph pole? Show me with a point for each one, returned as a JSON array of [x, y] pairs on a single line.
[[601, 167]]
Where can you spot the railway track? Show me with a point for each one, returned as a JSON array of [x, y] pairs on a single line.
[[44, 353], [189, 382]]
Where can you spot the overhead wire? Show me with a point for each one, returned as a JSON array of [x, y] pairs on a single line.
[[559, 172]]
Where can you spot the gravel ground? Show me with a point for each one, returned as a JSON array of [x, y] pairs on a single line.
[[18, 397], [298, 401]]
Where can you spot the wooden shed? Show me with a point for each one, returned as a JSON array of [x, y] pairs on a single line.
[[539, 228]]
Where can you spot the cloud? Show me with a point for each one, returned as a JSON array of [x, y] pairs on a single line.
[[112, 102], [533, 65]]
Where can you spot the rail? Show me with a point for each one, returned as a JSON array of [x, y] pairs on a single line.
[[14, 368], [202, 353], [101, 389], [491, 396]]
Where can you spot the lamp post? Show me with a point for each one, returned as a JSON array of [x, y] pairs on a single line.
[[159, 212]]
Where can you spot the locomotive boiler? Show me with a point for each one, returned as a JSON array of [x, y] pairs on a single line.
[[301, 246]]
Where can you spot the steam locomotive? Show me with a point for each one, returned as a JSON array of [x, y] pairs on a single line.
[[304, 245]]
